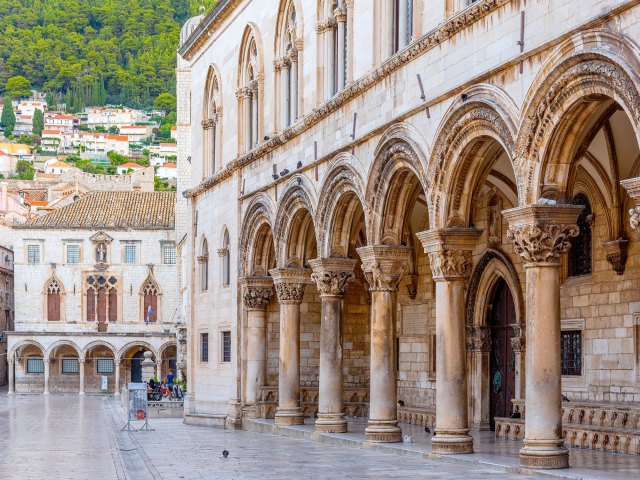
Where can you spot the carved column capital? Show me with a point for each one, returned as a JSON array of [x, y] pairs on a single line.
[[518, 344], [542, 233], [256, 292], [616, 251], [340, 14], [384, 266], [332, 275], [222, 252], [290, 283], [479, 338], [450, 251], [634, 219]]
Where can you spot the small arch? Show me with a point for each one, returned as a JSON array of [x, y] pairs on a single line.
[[212, 122], [250, 91], [26, 343], [136, 343], [60, 343], [256, 238], [225, 255], [203, 261], [54, 299], [150, 295], [97, 343]]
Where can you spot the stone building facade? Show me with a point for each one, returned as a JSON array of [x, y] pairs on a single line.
[[96, 289], [6, 308], [412, 211]]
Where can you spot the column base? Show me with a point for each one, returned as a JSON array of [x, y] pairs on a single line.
[[383, 431], [116, 394], [45, 393], [80, 394], [289, 416], [331, 423], [451, 442], [10, 394], [544, 454]]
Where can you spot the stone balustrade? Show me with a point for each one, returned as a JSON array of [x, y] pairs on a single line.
[[597, 426]]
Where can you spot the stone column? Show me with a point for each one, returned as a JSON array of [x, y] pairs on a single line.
[[341, 18], [450, 256], [117, 380], [479, 347], [293, 87], [541, 234], [331, 276], [383, 267], [256, 295], [518, 346], [244, 100], [47, 364], [633, 188], [159, 369], [11, 391], [331, 60], [254, 113], [282, 68], [289, 283], [81, 365]]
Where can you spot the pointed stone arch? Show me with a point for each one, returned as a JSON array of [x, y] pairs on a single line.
[[257, 242], [341, 193], [250, 91], [150, 296], [53, 299], [479, 126], [212, 121]]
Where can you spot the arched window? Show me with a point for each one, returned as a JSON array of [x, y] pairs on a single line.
[[334, 35], [203, 260], [102, 300], [211, 124], [226, 259], [248, 93], [402, 24], [150, 306], [54, 296], [287, 66], [580, 251]]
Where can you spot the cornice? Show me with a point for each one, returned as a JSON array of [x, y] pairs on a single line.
[[432, 39], [209, 24]]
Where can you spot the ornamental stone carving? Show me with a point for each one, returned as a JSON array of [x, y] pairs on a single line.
[[449, 264], [542, 233], [632, 186], [518, 344], [450, 251], [290, 284], [634, 219], [332, 275], [257, 298], [616, 251], [479, 339], [384, 266]]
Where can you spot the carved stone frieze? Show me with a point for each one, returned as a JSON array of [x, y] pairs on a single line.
[[256, 298], [542, 233], [479, 339], [332, 275], [384, 266], [448, 264]]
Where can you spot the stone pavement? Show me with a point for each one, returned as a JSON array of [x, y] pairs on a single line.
[[70, 437]]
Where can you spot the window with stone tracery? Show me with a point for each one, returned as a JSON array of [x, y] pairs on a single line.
[[226, 259], [335, 43], [402, 24], [150, 307], [287, 67], [580, 262], [54, 296], [249, 95], [101, 300], [212, 125]]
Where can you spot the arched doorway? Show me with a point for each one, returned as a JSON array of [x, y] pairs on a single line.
[[136, 367], [502, 317]]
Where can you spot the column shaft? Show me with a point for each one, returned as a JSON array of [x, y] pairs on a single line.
[[159, 370], [256, 354], [47, 364], [341, 53], [331, 63], [254, 116], [403, 26], [289, 412], [293, 92], [117, 380], [81, 365], [11, 378]]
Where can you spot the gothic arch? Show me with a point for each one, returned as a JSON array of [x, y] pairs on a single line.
[[256, 236], [294, 228], [150, 294], [478, 126], [250, 91], [491, 267], [54, 298], [396, 177], [592, 66], [212, 121], [341, 192]]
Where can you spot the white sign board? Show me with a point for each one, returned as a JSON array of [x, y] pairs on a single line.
[[105, 382], [137, 401]]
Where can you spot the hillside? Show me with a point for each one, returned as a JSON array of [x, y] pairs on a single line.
[[66, 45]]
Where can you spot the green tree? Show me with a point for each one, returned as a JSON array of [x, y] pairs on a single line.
[[166, 102], [38, 122], [52, 104], [24, 170], [18, 86], [8, 119], [114, 130]]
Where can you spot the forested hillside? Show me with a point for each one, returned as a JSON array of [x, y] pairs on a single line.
[[78, 46]]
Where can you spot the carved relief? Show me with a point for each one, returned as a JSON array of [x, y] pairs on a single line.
[[616, 251], [257, 298], [634, 213], [449, 264], [384, 266], [290, 292], [478, 339], [518, 344], [542, 243], [494, 222]]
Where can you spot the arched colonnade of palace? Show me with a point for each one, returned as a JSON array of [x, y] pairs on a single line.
[[487, 209], [70, 366]]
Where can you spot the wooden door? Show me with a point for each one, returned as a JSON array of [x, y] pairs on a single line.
[[503, 372]]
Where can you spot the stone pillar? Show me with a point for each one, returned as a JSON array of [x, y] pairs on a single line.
[[256, 295], [383, 267], [158, 369], [117, 380], [293, 87], [518, 346], [11, 362], [244, 97], [341, 18], [479, 347], [147, 367], [541, 234], [633, 189], [47, 364], [81, 365], [331, 60], [331, 276], [450, 256], [282, 67], [254, 113], [289, 283]]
